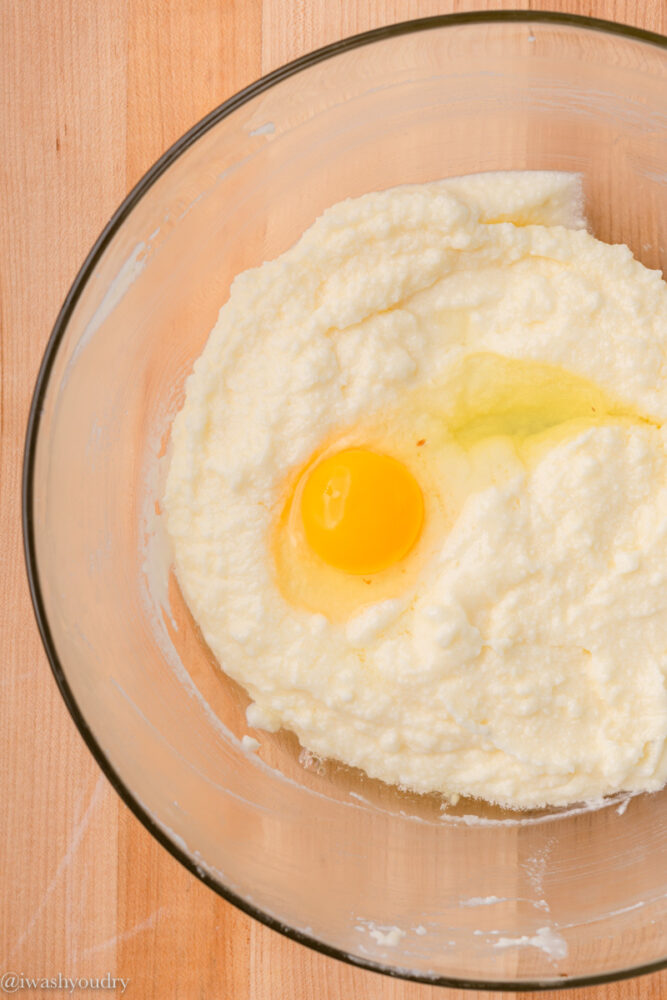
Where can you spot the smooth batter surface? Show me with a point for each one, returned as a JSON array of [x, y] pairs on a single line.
[[518, 653]]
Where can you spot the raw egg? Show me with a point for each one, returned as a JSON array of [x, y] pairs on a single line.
[[359, 522]]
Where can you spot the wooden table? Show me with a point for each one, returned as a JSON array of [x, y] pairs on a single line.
[[92, 92]]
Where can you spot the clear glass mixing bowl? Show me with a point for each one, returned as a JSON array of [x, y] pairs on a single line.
[[467, 895]]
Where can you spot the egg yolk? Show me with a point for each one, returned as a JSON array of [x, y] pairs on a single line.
[[362, 511]]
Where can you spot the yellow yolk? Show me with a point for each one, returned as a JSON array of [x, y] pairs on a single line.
[[362, 511]]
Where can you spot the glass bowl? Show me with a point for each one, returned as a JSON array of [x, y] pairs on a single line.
[[466, 895]]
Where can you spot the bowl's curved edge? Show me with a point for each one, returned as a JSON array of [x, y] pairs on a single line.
[[32, 431]]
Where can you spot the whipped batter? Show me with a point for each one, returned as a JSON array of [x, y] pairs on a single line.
[[517, 652]]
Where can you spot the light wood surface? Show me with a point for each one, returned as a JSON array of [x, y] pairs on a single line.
[[92, 91]]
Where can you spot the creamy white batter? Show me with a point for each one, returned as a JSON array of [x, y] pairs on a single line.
[[520, 655]]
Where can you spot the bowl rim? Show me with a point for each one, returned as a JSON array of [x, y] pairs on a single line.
[[85, 272]]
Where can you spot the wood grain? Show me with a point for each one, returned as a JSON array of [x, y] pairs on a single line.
[[92, 91]]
